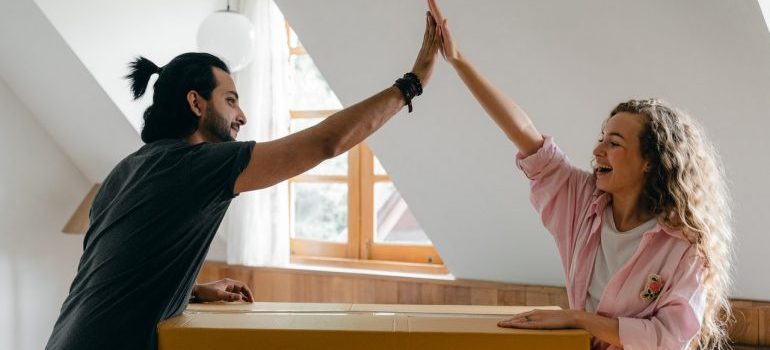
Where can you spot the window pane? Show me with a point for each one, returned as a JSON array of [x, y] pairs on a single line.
[[378, 168], [308, 89], [335, 166], [394, 222], [320, 211], [300, 124]]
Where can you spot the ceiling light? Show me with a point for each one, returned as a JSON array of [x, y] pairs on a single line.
[[228, 35]]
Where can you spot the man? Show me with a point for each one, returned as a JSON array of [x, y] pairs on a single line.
[[157, 211]]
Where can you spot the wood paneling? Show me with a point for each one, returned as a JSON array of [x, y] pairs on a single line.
[[746, 327], [752, 322], [752, 326]]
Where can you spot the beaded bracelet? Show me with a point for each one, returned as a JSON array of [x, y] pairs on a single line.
[[410, 87]]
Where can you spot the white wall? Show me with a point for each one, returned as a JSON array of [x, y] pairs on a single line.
[[568, 63], [39, 189]]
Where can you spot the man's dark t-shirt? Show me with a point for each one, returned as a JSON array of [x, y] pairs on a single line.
[[150, 229]]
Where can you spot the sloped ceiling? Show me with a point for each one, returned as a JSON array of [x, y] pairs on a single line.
[[58, 89], [68, 63], [107, 35], [568, 63]]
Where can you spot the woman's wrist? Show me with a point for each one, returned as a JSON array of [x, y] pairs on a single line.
[[457, 61], [578, 319]]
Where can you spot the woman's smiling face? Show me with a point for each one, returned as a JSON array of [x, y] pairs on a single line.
[[619, 166]]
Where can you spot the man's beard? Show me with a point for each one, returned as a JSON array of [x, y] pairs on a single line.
[[217, 126]]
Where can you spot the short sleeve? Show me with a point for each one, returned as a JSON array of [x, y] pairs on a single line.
[[214, 168]]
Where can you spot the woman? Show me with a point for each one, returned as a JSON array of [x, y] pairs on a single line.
[[644, 239]]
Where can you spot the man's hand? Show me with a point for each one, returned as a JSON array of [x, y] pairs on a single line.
[[222, 290], [431, 42], [448, 46]]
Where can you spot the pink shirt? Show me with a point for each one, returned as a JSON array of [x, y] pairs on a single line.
[[571, 208]]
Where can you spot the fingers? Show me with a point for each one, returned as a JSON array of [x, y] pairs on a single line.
[[247, 293], [444, 38], [244, 290], [521, 320], [539, 319], [423, 65], [432, 25], [232, 290], [435, 11], [447, 39], [426, 36], [241, 289], [521, 324], [523, 315], [433, 36], [445, 30], [505, 323], [228, 296]]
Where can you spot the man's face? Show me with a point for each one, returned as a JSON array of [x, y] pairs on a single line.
[[223, 116]]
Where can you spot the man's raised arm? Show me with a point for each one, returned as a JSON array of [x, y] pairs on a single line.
[[275, 161]]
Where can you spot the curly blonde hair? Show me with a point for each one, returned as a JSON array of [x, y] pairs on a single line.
[[687, 188]]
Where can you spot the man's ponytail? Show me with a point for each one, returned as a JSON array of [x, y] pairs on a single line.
[[140, 70]]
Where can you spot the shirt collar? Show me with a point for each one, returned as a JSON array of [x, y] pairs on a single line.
[[600, 201]]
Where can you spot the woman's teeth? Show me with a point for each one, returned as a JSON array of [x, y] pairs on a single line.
[[603, 169]]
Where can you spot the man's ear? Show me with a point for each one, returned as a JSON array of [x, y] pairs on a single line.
[[196, 102]]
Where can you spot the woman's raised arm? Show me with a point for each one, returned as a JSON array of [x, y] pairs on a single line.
[[507, 114]]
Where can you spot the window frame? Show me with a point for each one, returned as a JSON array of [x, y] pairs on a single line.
[[361, 250]]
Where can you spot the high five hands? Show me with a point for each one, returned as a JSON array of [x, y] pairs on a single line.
[[448, 46]]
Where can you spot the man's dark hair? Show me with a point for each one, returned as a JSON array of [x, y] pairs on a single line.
[[170, 116]]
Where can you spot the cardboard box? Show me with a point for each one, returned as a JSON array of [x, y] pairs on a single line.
[[350, 326]]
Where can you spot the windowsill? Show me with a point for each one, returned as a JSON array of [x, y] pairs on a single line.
[[367, 267]]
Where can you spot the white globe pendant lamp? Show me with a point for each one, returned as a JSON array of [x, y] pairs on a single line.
[[228, 35]]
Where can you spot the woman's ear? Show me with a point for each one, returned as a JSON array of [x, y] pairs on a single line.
[[195, 101], [647, 167]]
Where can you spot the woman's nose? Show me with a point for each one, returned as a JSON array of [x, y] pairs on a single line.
[[599, 149]]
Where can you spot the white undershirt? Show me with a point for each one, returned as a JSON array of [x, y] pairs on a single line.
[[615, 250]]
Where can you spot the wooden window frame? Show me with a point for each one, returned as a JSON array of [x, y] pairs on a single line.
[[360, 250]]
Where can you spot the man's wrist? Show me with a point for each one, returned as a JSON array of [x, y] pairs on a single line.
[[410, 86], [194, 294]]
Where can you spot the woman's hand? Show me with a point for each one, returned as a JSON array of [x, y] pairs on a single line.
[[423, 65], [606, 329], [448, 46], [222, 290], [542, 319]]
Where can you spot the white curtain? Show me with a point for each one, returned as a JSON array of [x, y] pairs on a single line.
[[256, 228]]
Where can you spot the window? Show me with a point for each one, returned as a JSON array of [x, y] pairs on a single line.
[[346, 211]]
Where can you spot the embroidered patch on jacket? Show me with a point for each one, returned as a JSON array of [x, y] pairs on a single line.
[[652, 288]]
